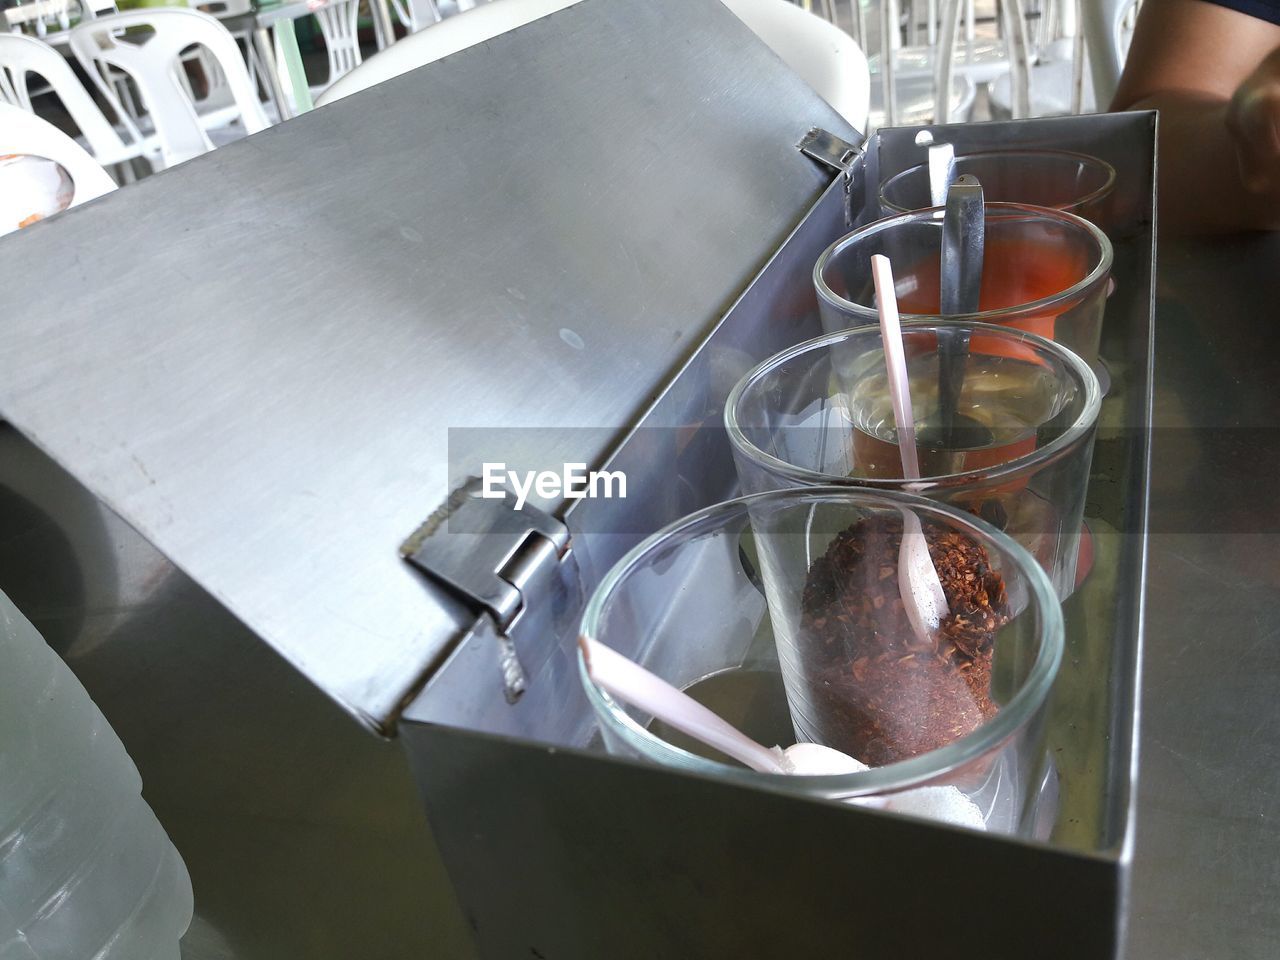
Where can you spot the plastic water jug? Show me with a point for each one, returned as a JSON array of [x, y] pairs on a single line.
[[86, 870]]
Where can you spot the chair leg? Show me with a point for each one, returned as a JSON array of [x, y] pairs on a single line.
[[888, 37], [1015, 31], [944, 75], [1077, 66], [124, 94]]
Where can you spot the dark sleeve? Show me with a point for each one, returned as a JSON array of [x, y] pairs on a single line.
[[1268, 10]]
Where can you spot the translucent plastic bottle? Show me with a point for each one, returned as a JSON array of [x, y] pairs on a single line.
[[86, 870]]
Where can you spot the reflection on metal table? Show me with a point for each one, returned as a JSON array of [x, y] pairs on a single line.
[[1206, 876]]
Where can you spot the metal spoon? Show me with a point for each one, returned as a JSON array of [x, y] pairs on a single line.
[[963, 243]]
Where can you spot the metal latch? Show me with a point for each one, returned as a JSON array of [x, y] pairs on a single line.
[[837, 154], [829, 150], [494, 556]]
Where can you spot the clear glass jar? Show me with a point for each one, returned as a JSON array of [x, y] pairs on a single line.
[[819, 413], [1059, 179], [722, 604], [1044, 271]]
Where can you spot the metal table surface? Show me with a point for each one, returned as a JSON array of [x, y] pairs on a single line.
[[1207, 852]]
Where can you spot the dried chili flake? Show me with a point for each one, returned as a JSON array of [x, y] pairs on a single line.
[[878, 693]]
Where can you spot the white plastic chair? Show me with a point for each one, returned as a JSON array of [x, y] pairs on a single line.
[[337, 23], [153, 61], [451, 8], [937, 70], [416, 14], [222, 10], [1060, 82], [1108, 29], [338, 26], [21, 56], [215, 110], [90, 9], [822, 54], [217, 107], [22, 132], [1015, 50], [980, 59], [441, 40], [37, 17], [915, 101]]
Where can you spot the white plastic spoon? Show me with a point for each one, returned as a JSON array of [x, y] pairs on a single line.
[[942, 167], [922, 595], [627, 680]]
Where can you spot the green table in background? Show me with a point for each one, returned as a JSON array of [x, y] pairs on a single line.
[[280, 17]]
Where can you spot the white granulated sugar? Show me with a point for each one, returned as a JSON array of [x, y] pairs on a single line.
[[944, 804], [812, 759]]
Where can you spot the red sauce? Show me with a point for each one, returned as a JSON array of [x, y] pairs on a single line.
[[1014, 272]]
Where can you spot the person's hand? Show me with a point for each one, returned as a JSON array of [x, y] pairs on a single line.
[[1253, 119]]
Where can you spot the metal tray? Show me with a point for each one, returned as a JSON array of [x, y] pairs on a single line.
[[275, 436], [648, 862]]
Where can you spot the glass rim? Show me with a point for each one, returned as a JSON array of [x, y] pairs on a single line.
[[902, 774], [1072, 435], [1088, 159], [1106, 256]]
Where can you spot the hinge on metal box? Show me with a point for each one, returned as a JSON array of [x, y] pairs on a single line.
[[496, 556], [839, 155]]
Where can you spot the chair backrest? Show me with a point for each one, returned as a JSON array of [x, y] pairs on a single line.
[[22, 132], [36, 17], [152, 59], [21, 56], [444, 38], [338, 26], [222, 8], [97, 8], [416, 14], [216, 82], [824, 56]]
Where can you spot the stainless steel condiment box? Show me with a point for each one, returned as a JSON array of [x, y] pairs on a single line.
[[565, 245]]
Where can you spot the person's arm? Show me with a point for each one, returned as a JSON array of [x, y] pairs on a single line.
[[1214, 75]]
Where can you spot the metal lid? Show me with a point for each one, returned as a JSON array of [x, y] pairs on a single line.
[[254, 358]]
